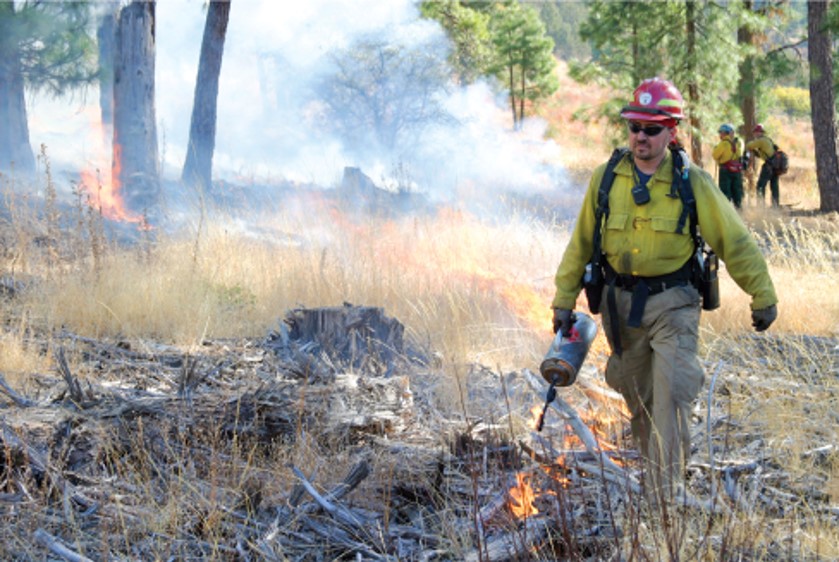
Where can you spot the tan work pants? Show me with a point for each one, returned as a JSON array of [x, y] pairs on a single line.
[[659, 376]]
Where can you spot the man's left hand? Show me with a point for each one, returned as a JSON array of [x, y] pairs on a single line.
[[763, 318]]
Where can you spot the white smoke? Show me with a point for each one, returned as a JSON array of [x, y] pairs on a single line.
[[273, 54]]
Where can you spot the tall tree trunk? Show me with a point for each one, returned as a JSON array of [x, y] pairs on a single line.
[[513, 98], [693, 88], [822, 104], [15, 149], [746, 93], [521, 97], [202, 130], [636, 56], [135, 167], [106, 39]]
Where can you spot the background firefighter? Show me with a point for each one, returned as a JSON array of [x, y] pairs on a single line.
[[651, 308], [728, 155], [763, 147]]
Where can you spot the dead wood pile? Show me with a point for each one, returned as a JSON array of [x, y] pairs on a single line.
[[325, 441]]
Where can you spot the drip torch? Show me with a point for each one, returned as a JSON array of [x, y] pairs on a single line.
[[565, 357]]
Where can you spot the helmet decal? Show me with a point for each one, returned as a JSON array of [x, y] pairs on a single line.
[[655, 99]]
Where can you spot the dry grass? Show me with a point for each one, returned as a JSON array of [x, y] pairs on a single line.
[[474, 291], [469, 290]]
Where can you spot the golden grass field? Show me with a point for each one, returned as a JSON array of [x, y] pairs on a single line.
[[472, 290]]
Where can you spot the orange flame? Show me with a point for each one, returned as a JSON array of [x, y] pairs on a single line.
[[528, 305], [522, 498], [104, 192]]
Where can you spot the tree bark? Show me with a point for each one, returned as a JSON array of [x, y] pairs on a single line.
[[15, 149], [135, 167], [693, 88], [746, 94], [202, 130], [106, 41], [822, 105], [513, 98]]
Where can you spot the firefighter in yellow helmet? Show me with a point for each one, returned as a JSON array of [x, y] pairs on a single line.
[[651, 308]]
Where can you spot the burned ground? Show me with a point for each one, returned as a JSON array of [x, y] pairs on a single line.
[[325, 441]]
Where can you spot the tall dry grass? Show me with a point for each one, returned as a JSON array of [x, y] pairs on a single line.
[[469, 289]]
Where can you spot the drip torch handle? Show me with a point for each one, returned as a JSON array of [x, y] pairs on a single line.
[[551, 396]]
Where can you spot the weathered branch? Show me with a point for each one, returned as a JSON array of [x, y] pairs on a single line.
[[571, 416], [21, 401], [56, 547]]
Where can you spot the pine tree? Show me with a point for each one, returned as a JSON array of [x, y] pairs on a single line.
[[524, 59], [468, 30], [688, 43], [823, 104], [43, 46]]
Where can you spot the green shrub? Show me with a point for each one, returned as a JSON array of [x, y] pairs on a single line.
[[795, 102]]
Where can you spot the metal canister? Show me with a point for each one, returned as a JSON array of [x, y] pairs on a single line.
[[711, 282], [566, 355]]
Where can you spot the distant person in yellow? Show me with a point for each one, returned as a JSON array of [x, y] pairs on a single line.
[[728, 155], [763, 147]]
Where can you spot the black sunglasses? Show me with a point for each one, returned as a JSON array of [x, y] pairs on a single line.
[[649, 130]]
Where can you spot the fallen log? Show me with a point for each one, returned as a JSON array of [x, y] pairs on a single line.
[[513, 545], [57, 547]]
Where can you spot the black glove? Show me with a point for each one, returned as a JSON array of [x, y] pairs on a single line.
[[564, 318], [761, 319]]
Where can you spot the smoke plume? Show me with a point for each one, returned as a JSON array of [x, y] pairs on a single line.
[[270, 106]]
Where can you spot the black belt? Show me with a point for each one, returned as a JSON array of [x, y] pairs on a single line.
[[654, 285], [641, 288]]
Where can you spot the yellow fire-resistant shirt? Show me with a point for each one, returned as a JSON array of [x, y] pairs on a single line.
[[727, 150], [642, 240], [763, 147]]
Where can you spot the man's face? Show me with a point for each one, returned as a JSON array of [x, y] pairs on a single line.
[[648, 140]]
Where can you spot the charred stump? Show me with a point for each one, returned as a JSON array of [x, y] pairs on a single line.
[[359, 338]]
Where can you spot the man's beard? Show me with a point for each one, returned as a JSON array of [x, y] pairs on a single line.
[[648, 153]]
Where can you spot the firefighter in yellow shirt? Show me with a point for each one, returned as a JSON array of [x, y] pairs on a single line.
[[652, 309], [763, 147], [728, 155]]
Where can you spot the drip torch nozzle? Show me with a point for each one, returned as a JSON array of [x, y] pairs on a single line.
[[551, 396]]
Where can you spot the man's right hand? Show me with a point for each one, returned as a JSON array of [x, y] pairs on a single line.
[[563, 320]]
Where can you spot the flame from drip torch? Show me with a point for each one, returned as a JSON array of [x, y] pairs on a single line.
[[522, 498]]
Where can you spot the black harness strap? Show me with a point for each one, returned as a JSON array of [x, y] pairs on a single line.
[[597, 261], [681, 184], [602, 211]]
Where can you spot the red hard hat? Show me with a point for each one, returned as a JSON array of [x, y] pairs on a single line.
[[655, 99], [758, 128]]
